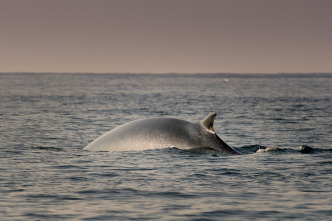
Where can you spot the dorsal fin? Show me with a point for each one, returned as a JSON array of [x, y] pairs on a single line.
[[208, 121]]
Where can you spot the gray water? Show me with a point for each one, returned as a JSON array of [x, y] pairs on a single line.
[[46, 120]]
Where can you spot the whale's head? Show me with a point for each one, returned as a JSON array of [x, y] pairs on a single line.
[[210, 139]]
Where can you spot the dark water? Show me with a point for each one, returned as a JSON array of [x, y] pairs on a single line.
[[46, 120]]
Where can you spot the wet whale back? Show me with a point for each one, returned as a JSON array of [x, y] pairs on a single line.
[[155, 133], [150, 133]]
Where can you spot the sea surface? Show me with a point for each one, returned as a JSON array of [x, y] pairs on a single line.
[[281, 123]]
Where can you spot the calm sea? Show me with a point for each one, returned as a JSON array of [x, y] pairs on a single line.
[[46, 120]]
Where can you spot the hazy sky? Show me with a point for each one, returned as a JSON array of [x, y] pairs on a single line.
[[161, 36]]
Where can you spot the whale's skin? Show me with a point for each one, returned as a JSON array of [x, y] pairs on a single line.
[[156, 133]]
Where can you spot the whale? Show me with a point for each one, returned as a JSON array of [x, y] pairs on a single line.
[[163, 132]]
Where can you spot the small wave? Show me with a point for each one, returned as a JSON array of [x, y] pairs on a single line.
[[305, 149], [273, 150], [308, 150], [48, 148], [195, 151], [248, 149]]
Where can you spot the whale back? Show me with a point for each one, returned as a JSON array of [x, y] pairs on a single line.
[[153, 133], [156, 133]]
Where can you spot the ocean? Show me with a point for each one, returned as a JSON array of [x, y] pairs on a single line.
[[281, 123]]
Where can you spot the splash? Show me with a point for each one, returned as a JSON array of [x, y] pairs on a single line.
[[272, 150]]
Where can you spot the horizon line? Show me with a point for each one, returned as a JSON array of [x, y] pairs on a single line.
[[162, 73]]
